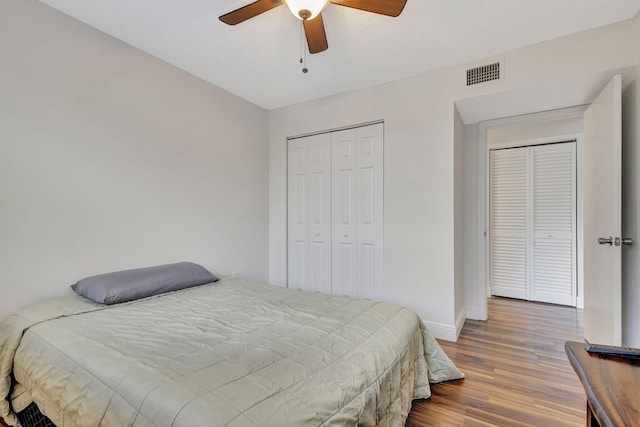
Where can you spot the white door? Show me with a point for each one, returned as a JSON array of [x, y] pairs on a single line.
[[357, 211], [603, 216], [508, 225], [309, 211], [553, 224], [533, 223]]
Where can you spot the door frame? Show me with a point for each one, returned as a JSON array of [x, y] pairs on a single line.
[[481, 312]]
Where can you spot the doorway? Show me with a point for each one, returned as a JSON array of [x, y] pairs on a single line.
[[534, 128], [531, 130], [532, 221]]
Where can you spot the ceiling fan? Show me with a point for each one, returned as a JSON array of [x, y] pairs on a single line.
[[309, 11]]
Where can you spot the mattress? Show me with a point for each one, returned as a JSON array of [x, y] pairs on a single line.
[[233, 353]]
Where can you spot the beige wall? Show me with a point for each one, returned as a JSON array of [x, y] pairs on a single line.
[[111, 159]]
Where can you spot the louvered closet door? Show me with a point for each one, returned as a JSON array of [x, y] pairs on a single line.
[[508, 185], [553, 275], [309, 213], [533, 223]]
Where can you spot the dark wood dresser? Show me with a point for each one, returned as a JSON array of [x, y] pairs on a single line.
[[612, 386]]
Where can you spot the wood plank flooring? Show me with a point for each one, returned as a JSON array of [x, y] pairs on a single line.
[[517, 373]]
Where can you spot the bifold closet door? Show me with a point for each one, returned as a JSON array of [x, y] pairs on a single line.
[[533, 223], [335, 212], [309, 213], [508, 226], [357, 211], [553, 230]]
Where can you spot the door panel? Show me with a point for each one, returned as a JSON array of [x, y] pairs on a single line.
[[508, 222], [553, 266], [370, 211], [309, 210], [319, 213], [357, 211], [602, 216], [297, 213], [344, 165]]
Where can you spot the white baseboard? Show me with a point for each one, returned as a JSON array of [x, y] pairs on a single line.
[[442, 331], [460, 321]]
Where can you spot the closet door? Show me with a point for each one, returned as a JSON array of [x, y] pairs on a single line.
[[533, 223], [508, 186], [553, 204], [357, 211], [309, 213]]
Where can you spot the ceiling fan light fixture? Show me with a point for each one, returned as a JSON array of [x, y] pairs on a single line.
[[306, 10]]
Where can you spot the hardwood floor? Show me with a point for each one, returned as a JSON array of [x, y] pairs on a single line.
[[517, 373]]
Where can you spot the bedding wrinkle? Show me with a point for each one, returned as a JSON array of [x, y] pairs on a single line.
[[377, 382], [73, 405], [235, 353], [12, 329]]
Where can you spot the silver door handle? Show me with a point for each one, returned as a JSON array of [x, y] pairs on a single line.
[[627, 241], [605, 241], [317, 234]]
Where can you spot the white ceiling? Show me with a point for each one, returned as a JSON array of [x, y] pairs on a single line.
[[258, 59]]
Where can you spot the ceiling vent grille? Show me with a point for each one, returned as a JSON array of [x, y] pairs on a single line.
[[483, 74]]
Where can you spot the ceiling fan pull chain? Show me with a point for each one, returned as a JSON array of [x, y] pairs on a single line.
[[303, 51], [304, 66], [301, 42]]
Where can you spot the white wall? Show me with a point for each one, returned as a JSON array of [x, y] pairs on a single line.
[[418, 238], [472, 267], [631, 209], [524, 129], [419, 158], [112, 159], [459, 218]]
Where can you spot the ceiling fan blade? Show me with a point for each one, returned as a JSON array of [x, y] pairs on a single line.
[[383, 7], [316, 37], [249, 11]]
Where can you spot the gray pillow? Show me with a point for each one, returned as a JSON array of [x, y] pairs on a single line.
[[129, 285]]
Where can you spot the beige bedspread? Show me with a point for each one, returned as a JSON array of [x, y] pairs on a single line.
[[233, 353]]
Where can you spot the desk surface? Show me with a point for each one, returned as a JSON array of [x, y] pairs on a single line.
[[612, 385]]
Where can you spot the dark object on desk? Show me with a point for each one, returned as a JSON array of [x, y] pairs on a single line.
[[612, 350], [612, 386]]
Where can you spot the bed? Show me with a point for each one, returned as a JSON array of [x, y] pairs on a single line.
[[230, 353]]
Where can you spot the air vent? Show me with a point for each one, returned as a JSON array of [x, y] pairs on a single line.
[[483, 74]]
